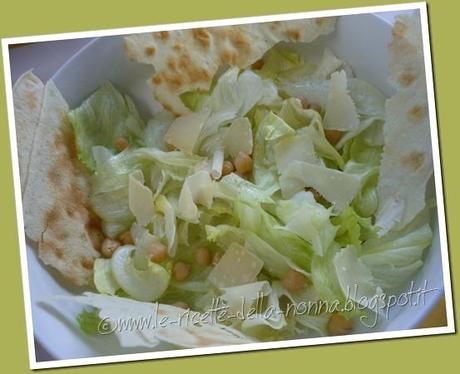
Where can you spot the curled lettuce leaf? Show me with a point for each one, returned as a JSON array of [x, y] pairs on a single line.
[[309, 220], [312, 321], [369, 101], [110, 182], [194, 99], [233, 187], [392, 261], [363, 162], [269, 128], [110, 190], [301, 174], [164, 206], [308, 122], [156, 128], [141, 284], [352, 228], [253, 217], [104, 280], [356, 280], [280, 62], [234, 95], [101, 119]]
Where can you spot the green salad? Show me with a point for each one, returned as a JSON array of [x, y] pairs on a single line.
[[263, 196]]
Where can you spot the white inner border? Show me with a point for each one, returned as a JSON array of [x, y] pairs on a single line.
[[450, 328]]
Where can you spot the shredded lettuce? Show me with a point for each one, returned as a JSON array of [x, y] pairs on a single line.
[[268, 130], [141, 284], [392, 261], [164, 206], [303, 216], [355, 278], [110, 190], [89, 321], [155, 130], [300, 175], [103, 118], [353, 229], [308, 206], [232, 187], [280, 61], [194, 99], [234, 95], [104, 280], [363, 162]]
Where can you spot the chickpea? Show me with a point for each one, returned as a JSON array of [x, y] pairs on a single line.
[[181, 304], [126, 238], [227, 168], [121, 144], [159, 252], [243, 163], [170, 147], [339, 325], [315, 107], [333, 136], [108, 247], [258, 64], [305, 103], [180, 270], [216, 258], [294, 281], [203, 256], [97, 238]]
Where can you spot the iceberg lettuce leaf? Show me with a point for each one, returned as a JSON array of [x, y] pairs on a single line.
[[103, 118]]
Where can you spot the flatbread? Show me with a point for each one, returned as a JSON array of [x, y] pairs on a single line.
[[56, 209], [187, 60], [406, 52], [406, 165], [27, 99]]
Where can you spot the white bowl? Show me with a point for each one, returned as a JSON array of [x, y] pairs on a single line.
[[361, 40]]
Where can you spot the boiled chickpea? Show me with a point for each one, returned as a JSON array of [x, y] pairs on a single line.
[[315, 107], [181, 304], [121, 144], [243, 163], [180, 270], [159, 252], [339, 325], [294, 281], [108, 247], [227, 168], [333, 136], [203, 256], [305, 103], [126, 238], [216, 258], [170, 147]]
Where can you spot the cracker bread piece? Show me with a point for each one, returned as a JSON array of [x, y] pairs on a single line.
[[27, 98], [56, 209], [187, 60], [406, 165]]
